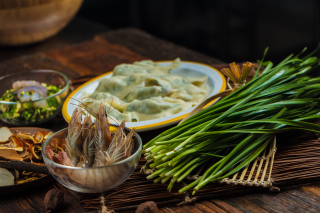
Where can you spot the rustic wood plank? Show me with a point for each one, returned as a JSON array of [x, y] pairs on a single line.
[[315, 190], [96, 57], [302, 200], [33, 201], [34, 62], [71, 201], [225, 206], [190, 208], [36, 197], [292, 200], [213, 207], [30, 201], [178, 209], [281, 202], [15, 204], [245, 204], [168, 210], [152, 47], [203, 208], [268, 202]]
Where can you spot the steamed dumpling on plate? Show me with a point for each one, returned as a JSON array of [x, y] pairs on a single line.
[[146, 90]]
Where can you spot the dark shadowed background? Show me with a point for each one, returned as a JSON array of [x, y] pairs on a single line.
[[230, 30]]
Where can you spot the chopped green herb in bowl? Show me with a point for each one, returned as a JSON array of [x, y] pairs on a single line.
[[31, 98]]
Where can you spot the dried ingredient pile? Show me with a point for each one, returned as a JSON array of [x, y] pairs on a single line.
[[20, 156]]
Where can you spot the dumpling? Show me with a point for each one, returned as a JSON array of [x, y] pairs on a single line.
[[181, 88], [197, 81], [141, 93], [111, 111], [145, 66], [108, 98], [154, 108], [148, 63], [181, 94], [120, 86], [157, 81], [146, 90]]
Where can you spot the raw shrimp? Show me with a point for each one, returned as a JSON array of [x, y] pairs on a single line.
[[24, 97], [99, 149], [52, 156], [74, 143], [63, 157], [37, 93], [129, 143], [38, 104], [100, 159], [18, 84], [118, 137], [119, 149], [35, 96], [103, 134], [40, 90], [87, 159], [120, 146]]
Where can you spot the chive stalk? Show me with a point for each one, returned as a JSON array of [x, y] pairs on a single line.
[[235, 130]]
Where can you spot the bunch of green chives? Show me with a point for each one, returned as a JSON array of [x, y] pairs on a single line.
[[222, 139]]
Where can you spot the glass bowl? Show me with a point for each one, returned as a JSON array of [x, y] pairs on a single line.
[[92, 180], [32, 113]]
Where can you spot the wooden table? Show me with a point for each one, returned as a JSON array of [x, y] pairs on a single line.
[[101, 54]]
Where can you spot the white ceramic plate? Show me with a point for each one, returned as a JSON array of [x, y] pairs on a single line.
[[216, 82]]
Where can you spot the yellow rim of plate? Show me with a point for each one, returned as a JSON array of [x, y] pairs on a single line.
[[67, 116]]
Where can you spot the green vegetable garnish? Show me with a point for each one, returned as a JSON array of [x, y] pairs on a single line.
[[222, 139], [29, 111]]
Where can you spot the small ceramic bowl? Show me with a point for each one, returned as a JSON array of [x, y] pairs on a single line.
[[92, 180], [33, 113]]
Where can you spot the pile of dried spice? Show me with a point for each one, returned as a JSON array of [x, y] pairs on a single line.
[[20, 156]]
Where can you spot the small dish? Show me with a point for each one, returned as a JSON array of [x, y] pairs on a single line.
[[93, 180], [43, 76], [216, 81], [30, 185]]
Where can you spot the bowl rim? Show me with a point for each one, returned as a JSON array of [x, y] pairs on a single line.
[[45, 144], [38, 71]]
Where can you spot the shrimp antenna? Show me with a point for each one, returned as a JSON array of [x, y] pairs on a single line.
[[85, 106], [114, 120], [116, 107], [110, 104]]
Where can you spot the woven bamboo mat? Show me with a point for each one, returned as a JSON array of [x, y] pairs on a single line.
[[296, 162]]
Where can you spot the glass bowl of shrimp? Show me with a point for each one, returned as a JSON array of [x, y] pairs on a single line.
[[92, 157], [33, 97]]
